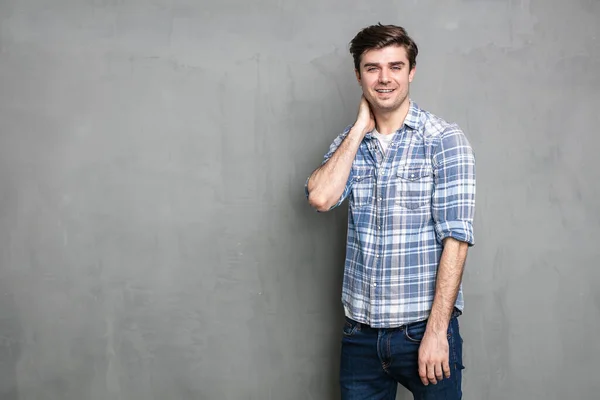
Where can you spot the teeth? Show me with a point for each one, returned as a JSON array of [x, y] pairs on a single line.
[[385, 90]]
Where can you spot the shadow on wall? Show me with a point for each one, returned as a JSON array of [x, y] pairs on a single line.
[[10, 346], [340, 222]]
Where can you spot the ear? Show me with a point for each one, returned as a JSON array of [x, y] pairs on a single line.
[[411, 74], [357, 72]]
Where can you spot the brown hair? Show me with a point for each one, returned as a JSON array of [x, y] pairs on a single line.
[[380, 36]]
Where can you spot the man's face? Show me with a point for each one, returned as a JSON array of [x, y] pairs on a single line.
[[385, 78]]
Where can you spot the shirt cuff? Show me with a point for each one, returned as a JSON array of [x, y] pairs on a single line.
[[459, 230]]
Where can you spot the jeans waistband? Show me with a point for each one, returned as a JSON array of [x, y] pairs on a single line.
[[455, 313]]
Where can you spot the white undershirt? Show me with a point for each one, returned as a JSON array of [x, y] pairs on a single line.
[[384, 140]]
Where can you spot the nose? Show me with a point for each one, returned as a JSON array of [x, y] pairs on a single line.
[[384, 76]]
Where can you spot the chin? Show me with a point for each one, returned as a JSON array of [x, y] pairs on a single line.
[[389, 105]]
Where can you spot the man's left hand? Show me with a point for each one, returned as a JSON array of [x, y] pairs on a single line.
[[433, 357]]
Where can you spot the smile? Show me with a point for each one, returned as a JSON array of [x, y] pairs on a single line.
[[384, 90]]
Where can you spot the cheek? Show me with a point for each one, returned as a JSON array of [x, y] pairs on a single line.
[[370, 83], [369, 79]]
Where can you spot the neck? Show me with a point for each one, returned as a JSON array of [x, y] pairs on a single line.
[[389, 122]]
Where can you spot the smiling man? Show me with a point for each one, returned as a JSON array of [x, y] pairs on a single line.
[[410, 179]]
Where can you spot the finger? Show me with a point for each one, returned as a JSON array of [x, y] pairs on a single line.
[[431, 373], [446, 369], [439, 373], [423, 373]]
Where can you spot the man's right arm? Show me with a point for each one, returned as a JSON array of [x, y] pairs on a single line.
[[327, 183]]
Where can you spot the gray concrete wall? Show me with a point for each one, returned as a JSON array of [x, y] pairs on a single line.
[[154, 238]]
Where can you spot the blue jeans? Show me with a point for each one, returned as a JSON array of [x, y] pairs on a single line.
[[374, 361]]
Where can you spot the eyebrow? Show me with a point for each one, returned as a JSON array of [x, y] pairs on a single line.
[[393, 63]]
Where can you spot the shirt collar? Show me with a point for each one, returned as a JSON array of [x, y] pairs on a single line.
[[413, 117]]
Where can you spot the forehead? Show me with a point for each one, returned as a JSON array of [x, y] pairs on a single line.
[[385, 55]]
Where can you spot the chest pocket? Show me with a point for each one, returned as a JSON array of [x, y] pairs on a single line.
[[363, 187], [414, 186]]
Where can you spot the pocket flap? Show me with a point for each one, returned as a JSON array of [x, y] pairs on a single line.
[[359, 174], [413, 172]]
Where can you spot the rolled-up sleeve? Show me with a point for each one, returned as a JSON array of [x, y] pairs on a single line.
[[332, 148], [453, 201]]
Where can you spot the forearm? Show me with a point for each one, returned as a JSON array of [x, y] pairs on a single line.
[[327, 183], [449, 277]]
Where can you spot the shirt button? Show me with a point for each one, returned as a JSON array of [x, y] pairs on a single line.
[[374, 284], [381, 198], [379, 227], [377, 256], [382, 172], [412, 175]]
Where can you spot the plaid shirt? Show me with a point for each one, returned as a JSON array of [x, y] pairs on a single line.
[[401, 206]]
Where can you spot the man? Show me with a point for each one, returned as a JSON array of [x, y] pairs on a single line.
[[410, 180]]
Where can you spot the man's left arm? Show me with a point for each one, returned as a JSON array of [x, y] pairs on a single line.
[[453, 208]]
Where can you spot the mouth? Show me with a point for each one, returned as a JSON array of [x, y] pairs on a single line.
[[384, 91]]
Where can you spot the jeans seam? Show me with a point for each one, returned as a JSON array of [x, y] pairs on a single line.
[[456, 367], [453, 340], [382, 354], [389, 351]]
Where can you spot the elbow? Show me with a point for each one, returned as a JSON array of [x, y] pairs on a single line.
[[318, 202]]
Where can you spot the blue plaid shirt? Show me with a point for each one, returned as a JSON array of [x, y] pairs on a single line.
[[401, 206]]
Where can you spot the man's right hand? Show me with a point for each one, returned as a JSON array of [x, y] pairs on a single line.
[[327, 183], [365, 121]]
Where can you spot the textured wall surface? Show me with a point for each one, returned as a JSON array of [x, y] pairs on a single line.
[[155, 242]]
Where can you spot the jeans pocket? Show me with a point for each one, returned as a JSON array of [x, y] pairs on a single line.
[[414, 332], [350, 327]]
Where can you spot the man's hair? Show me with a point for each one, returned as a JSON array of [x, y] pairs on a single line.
[[380, 36]]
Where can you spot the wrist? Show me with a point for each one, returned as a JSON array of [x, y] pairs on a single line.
[[359, 130], [437, 323], [436, 330]]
